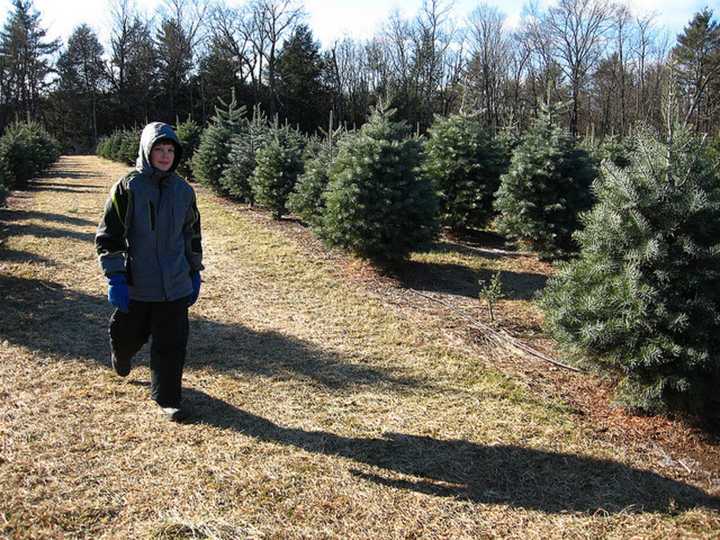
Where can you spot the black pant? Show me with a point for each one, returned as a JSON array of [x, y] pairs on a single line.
[[167, 323]]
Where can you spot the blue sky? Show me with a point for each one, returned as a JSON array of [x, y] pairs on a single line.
[[332, 20]]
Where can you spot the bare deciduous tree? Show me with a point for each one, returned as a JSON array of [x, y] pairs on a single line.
[[490, 61], [577, 30]]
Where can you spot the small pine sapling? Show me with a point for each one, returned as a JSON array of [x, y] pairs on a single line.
[[491, 291]]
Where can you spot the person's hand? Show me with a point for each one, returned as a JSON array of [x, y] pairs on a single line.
[[118, 293], [195, 276]]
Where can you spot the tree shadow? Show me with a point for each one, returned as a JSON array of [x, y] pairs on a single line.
[[12, 255], [476, 237], [521, 477], [461, 280], [470, 250], [67, 173], [39, 231], [42, 315], [61, 189], [18, 215], [270, 354]]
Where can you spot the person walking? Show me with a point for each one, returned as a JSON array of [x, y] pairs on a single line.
[[149, 248]]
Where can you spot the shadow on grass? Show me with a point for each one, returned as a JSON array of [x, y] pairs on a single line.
[[18, 215], [42, 315], [521, 477], [461, 280], [238, 349], [11, 255], [486, 252], [477, 237], [68, 173], [40, 231], [61, 189]]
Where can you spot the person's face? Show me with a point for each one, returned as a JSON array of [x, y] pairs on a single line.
[[162, 156]]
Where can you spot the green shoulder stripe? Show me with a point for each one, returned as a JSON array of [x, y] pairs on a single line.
[[121, 195], [116, 205]]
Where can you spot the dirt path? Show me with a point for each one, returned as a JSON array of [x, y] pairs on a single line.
[[319, 411]]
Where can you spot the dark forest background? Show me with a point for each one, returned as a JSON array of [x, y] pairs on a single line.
[[611, 66]]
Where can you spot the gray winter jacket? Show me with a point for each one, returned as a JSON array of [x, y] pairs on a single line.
[[151, 226]]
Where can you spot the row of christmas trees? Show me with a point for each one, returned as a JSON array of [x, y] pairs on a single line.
[[638, 292], [26, 150], [381, 191]]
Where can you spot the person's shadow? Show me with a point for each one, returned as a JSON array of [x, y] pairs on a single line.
[[496, 474]]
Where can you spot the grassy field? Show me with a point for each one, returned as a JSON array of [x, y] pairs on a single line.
[[329, 401]]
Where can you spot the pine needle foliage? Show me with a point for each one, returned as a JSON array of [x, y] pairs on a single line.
[[547, 185], [235, 180], [377, 204], [189, 133], [120, 145], [211, 157], [307, 200], [464, 162], [642, 301], [278, 165], [26, 150], [5, 180], [616, 149]]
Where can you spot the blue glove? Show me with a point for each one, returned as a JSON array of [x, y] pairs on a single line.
[[118, 293], [195, 276]]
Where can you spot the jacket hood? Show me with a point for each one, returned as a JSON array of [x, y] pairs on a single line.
[[152, 133]]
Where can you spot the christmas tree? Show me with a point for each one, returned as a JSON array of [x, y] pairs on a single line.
[[279, 163], [211, 157], [188, 133], [643, 299], [464, 163], [235, 180], [546, 186], [307, 200], [377, 205]]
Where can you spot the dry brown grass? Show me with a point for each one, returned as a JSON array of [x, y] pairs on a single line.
[[327, 404]]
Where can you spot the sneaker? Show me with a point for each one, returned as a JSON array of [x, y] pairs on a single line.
[[121, 367], [174, 414]]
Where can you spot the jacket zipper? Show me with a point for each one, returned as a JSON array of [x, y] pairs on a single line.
[[152, 215], [157, 241]]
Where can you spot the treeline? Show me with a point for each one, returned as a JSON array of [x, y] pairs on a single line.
[[613, 66]]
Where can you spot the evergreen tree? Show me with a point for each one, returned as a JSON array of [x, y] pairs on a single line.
[[464, 163], [301, 91], [278, 165], [188, 133], [643, 299], [127, 150], [81, 82], [26, 61], [307, 199], [547, 185], [5, 181], [26, 150], [133, 70], [696, 60], [211, 157], [377, 205], [235, 180], [217, 71], [617, 150], [175, 63]]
